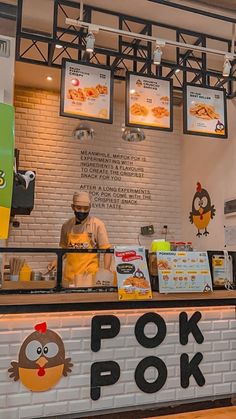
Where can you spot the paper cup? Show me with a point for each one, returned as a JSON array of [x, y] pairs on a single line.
[[84, 280]]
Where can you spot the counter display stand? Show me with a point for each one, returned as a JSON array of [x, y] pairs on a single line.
[[173, 349]]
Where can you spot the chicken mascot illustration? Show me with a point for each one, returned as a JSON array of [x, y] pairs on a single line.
[[202, 210], [42, 360]]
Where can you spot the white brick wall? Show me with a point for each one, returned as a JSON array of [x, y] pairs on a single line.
[[46, 145], [72, 393]]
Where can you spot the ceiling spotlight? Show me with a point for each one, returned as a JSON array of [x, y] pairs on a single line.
[[49, 78], [83, 132], [90, 41], [177, 70], [157, 55], [226, 67], [132, 91], [133, 135], [58, 46]]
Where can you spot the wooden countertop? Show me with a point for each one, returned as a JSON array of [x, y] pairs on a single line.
[[218, 297], [220, 413]]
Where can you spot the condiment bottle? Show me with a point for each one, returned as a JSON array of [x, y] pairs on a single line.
[[172, 246], [189, 247], [25, 273], [181, 246]]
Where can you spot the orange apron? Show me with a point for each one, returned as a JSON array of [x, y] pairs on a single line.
[[81, 262]]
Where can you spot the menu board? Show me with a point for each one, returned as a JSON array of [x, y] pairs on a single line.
[[149, 102], [183, 272], [205, 111], [132, 273], [86, 91]]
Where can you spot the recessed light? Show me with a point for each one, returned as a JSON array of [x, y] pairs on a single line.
[[49, 78], [132, 91], [58, 46]]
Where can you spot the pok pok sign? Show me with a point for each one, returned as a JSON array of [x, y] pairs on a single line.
[[42, 360]]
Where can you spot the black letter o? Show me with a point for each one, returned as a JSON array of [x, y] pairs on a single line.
[[145, 341], [145, 386]]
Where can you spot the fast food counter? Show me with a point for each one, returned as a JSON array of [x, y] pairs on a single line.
[[171, 349], [54, 295]]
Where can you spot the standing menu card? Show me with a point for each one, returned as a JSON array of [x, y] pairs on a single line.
[[183, 272], [132, 273]]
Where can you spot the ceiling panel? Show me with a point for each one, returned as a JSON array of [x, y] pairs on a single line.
[[221, 4]]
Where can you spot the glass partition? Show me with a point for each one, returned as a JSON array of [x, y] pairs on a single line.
[[25, 270]]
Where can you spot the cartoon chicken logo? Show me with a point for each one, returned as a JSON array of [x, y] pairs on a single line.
[[42, 360], [219, 127], [202, 210]]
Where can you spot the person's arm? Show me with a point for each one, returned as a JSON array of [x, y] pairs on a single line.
[[107, 261], [103, 243], [63, 238]]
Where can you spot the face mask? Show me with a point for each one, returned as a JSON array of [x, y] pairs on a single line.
[[80, 216]]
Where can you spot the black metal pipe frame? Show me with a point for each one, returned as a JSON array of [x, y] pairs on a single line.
[[7, 11], [129, 54]]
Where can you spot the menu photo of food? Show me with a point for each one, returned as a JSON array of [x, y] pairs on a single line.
[[205, 111], [86, 91], [183, 272], [132, 273], [149, 102]]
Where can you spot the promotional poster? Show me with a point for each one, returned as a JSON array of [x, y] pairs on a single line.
[[132, 273], [6, 166]]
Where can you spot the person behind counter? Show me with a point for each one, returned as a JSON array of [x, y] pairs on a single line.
[[83, 232]]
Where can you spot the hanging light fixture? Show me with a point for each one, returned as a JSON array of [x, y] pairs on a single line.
[[226, 67], [134, 135], [90, 41], [147, 38], [157, 55], [83, 132]]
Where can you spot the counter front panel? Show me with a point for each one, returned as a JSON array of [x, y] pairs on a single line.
[[99, 361]]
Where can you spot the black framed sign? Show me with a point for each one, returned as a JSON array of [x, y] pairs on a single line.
[[86, 91], [205, 111], [149, 102]]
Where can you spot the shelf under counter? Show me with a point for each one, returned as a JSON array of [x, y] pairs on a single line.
[[27, 285], [87, 301]]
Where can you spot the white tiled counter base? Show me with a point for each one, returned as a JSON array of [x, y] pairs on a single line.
[[72, 393]]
